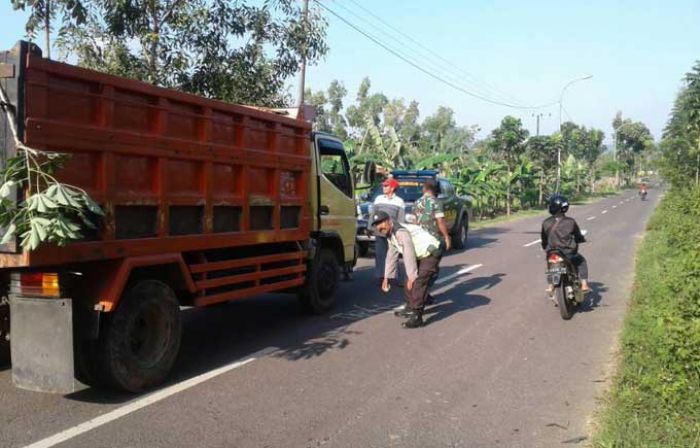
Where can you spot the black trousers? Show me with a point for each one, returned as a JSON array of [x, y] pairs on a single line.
[[427, 270], [580, 263]]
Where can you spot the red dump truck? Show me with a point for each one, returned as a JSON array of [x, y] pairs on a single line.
[[204, 202]]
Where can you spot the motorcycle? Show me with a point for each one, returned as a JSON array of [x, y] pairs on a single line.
[[563, 275], [643, 195]]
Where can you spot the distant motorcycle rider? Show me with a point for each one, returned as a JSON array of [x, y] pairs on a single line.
[[563, 233], [643, 191]]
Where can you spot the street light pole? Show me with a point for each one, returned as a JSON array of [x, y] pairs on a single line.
[[561, 107]]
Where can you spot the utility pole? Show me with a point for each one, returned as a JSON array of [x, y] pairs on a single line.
[[47, 28], [538, 116], [302, 74]]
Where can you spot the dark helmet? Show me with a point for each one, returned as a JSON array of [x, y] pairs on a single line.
[[558, 204]]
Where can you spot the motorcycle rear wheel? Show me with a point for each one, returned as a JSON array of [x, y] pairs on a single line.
[[566, 307]]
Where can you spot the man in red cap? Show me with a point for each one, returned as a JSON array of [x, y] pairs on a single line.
[[393, 206]]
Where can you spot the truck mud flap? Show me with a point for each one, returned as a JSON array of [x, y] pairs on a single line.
[[41, 345]]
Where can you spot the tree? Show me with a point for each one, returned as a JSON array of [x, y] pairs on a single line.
[[631, 139], [329, 109], [410, 129], [336, 95], [508, 143], [366, 107], [435, 128], [243, 54], [43, 12], [542, 151], [680, 147]]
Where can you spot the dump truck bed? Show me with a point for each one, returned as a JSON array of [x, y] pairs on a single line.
[[173, 172]]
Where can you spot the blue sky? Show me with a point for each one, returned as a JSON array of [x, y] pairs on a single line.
[[637, 52]]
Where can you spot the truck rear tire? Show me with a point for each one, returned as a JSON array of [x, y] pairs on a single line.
[[142, 338], [318, 295]]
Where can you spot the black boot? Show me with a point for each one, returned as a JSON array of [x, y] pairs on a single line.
[[430, 300], [405, 311], [415, 319]]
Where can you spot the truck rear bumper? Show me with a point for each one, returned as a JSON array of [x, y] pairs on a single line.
[[41, 344]]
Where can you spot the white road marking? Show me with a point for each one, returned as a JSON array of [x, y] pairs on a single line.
[[603, 212], [614, 206], [622, 202], [590, 218], [145, 401], [532, 243], [457, 274]]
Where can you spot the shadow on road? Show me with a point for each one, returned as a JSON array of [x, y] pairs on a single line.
[[483, 237], [460, 298], [219, 335], [593, 298]]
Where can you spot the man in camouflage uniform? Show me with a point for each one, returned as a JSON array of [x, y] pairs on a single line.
[[431, 217]]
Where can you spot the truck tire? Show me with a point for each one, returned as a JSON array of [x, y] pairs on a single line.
[[460, 237], [318, 295], [142, 338]]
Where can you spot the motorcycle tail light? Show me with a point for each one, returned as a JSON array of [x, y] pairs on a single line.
[[554, 259]]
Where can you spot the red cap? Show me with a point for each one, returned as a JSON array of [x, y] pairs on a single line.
[[393, 183]]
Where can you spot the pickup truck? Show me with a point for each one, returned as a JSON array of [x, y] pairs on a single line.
[[457, 208]]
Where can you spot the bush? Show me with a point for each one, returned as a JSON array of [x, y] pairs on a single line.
[[655, 400]]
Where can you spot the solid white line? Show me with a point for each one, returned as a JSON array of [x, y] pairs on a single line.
[[590, 218], [532, 243], [145, 401], [457, 274], [603, 212]]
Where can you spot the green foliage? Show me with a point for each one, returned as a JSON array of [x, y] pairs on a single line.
[[655, 399], [240, 51], [680, 148], [53, 212], [508, 171], [633, 142], [43, 11]]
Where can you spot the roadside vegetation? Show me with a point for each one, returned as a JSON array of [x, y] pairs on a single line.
[[507, 171], [655, 398]]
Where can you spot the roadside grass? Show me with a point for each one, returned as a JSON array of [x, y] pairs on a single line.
[[522, 214], [655, 398]]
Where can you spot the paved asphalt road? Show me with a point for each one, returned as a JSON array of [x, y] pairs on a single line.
[[495, 366]]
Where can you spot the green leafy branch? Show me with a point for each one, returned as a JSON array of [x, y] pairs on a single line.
[[34, 205]]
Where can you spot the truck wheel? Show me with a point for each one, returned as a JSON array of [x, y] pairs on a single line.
[[459, 239], [142, 339], [319, 293]]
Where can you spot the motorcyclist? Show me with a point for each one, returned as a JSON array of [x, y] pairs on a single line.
[[643, 190], [563, 233]]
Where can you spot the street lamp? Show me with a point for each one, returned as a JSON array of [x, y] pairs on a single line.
[[561, 106]]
